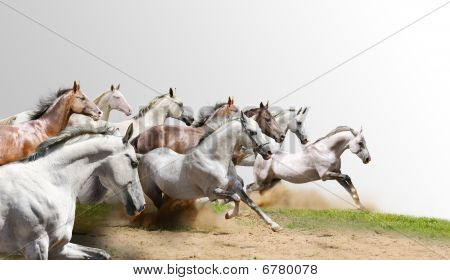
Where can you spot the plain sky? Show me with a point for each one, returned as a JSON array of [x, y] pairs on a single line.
[[258, 51]]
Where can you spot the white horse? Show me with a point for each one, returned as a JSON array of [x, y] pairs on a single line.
[[205, 171], [319, 160], [38, 195], [155, 113], [288, 120], [293, 121]]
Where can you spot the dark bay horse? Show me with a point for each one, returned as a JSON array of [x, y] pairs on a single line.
[[181, 138], [50, 118]]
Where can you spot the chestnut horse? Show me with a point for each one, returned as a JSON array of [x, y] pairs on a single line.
[[19, 141], [182, 138]]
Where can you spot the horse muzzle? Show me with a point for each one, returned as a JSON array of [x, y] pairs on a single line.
[[95, 114], [187, 120]]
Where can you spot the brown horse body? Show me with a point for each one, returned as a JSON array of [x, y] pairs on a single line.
[[19, 141]]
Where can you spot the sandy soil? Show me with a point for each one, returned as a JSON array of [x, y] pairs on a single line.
[[246, 237]]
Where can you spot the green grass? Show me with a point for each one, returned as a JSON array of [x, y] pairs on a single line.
[[220, 208], [353, 219], [90, 217]]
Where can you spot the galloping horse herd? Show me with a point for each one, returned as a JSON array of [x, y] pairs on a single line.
[[66, 151]]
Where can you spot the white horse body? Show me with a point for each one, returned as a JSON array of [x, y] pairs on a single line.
[[319, 160], [38, 198], [207, 170]]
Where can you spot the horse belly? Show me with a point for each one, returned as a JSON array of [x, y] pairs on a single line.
[[294, 172]]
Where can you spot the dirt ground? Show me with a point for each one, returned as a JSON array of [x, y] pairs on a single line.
[[210, 236], [259, 242]]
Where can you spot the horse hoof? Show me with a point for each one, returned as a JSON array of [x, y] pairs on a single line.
[[102, 255], [276, 228], [228, 216]]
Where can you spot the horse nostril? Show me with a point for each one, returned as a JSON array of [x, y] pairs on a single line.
[[269, 152], [282, 137], [142, 207]]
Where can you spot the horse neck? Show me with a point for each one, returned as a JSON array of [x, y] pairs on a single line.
[[103, 105], [57, 116], [220, 145], [215, 121], [155, 116], [283, 120], [338, 142], [75, 163]]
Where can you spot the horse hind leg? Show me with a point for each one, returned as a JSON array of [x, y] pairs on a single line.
[[348, 186]]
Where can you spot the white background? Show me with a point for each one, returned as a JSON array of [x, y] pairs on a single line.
[[258, 51]]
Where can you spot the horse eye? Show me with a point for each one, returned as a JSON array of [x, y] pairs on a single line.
[[116, 97], [134, 164], [253, 133]]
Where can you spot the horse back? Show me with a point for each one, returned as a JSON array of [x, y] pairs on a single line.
[[177, 138], [19, 141]]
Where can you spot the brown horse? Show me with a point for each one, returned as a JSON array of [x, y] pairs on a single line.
[[181, 138], [266, 122], [52, 116]]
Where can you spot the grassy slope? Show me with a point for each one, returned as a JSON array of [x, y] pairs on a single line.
[[353, 219], [89, 217]]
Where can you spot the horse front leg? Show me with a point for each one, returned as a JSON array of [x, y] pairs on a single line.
[[37, 249], [71, 251], [247, 200], [348, 186]]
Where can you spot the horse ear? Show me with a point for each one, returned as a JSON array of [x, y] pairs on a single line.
[[267, 104], [360, 130], [112, 87], [74, 88], [171, 92], [118, 86], [261, 105], [299, 110], [127, 136]]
